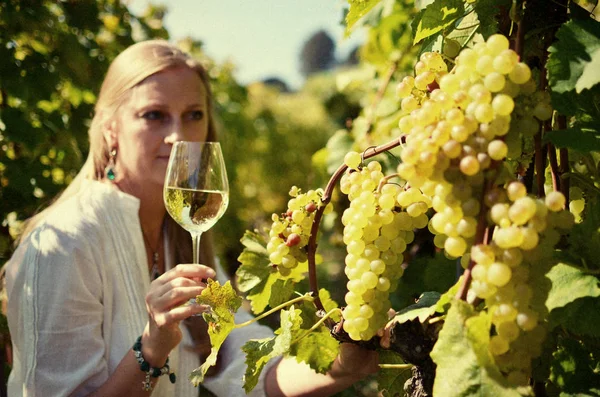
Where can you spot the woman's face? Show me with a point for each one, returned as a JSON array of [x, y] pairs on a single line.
[[166, 107]]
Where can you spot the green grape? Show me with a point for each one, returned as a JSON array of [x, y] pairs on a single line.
[[497, 43], [503, 105], [498, 274], [352, 160], [498, 345], [520, 73], [455, 246], [469, 165], [497, 149], [555, 201], [494, 81]]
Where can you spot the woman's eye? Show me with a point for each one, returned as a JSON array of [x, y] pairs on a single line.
[[153, 115], [197, 115]]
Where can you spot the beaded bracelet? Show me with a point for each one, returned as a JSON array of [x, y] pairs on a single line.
[[150, 371]]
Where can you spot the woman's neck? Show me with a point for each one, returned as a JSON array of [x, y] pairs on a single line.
[[152, 209]]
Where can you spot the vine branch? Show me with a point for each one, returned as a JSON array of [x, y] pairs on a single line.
[[305, 297]]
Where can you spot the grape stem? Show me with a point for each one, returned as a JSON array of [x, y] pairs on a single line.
[[305, 297], [312, 241], [385, 180], [318, 323], [396, 366], [553, 167], [564, 160]]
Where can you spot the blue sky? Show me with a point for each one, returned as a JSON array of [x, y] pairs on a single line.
[[262, 37]]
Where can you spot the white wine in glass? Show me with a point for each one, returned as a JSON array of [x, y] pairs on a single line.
[[196, 191]]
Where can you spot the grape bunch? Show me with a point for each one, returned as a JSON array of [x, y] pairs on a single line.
[[290, 231], [526, 232], [377, 229], [456, 127]]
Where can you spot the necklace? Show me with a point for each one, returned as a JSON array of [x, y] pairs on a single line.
[[154, 272]]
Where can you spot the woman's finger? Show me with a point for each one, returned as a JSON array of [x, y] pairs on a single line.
[[159, 290], [174, 297], [178, 314], [191, 271]]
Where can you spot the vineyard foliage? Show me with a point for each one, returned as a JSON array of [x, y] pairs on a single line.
[[482, 205], [478, 222]]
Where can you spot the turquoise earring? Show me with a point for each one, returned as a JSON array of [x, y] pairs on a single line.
[[109, 171]]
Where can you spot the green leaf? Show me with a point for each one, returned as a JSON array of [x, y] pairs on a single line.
[[358, 9], [318, 349], [583, 104], [254, 260], [224, 302], [487, 12], [569, 284], [580, 317], [584, 137], [435, 17], [391, 380], [259, 352], [338, 145], [465, 366], [260, 299], [574, 57], [328, 303], [572, 369], [423, 309], [584, 238], [281, 292]]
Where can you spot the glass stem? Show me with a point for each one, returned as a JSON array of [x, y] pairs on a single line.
[[196, 247]]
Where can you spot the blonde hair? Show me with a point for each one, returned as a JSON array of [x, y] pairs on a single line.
[[129, 69]]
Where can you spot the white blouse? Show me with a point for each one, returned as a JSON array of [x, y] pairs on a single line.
[[76, 291]]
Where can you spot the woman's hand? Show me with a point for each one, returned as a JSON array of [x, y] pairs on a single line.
[[355, 361], [166, 303]]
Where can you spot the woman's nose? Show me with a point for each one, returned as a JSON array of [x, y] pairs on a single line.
[[175, 133]]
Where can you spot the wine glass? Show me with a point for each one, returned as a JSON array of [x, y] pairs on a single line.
[[196, 191]]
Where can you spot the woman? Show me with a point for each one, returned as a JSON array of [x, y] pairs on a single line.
[[96, 269]]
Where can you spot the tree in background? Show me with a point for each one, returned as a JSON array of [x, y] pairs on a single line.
[[318, 53]]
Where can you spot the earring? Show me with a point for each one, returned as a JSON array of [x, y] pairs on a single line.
[[109, 171]]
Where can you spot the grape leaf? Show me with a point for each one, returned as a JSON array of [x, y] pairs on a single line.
[[435, 17], [487, 12], [581, 104], [575, 57], [281, 292], [572, 369], [584, 238], [569, 284], [580, 317], [391, 380], [254, 269], [259, 352], [423, 309], [328, 303], [318, 349], [337, 146], [584, 137], [224, 302], [358, 9], [256, 276], [465, 366]]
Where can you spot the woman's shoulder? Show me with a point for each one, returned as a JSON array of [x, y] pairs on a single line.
[[90, 207], [83, 218]]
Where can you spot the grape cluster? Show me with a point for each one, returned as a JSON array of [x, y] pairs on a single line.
[[290, 231], [377, 229], [456, 126], [527, 229]]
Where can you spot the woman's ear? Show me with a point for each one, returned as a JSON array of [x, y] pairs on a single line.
[[110, 134]]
